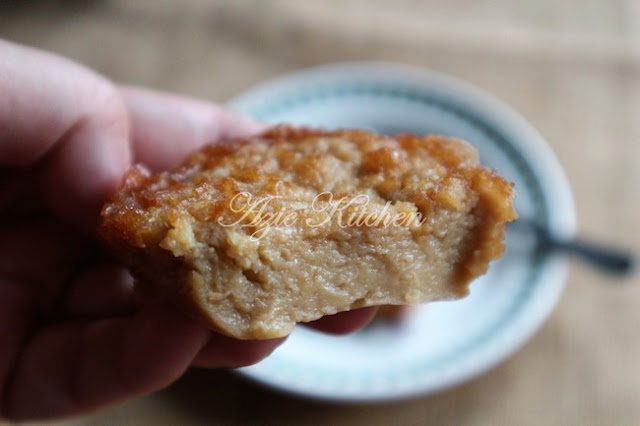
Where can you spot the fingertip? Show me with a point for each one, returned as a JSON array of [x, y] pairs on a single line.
[[344, 322], [226, 352], [235, 124]]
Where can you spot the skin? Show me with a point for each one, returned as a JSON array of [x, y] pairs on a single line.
[[73, 337]]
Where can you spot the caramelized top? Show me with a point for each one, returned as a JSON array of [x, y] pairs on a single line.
[[291, 168]]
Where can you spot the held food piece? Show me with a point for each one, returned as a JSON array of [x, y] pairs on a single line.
[[254, 235]]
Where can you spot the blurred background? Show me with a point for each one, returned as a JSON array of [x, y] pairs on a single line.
[[571, 67]]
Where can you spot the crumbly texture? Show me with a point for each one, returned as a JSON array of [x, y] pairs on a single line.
[[254, 235]]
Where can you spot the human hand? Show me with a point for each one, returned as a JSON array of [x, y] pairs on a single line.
[[72, 336]]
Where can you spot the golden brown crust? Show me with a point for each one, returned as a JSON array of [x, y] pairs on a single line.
[[191, 235]]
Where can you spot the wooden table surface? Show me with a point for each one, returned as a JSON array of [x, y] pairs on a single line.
[[572, 67]]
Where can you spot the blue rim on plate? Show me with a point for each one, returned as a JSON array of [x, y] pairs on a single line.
[[395, 98]]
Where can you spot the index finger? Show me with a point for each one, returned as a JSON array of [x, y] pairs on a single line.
[[68, 119]]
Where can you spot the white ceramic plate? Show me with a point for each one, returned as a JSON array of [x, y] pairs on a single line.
[[445, 343]]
